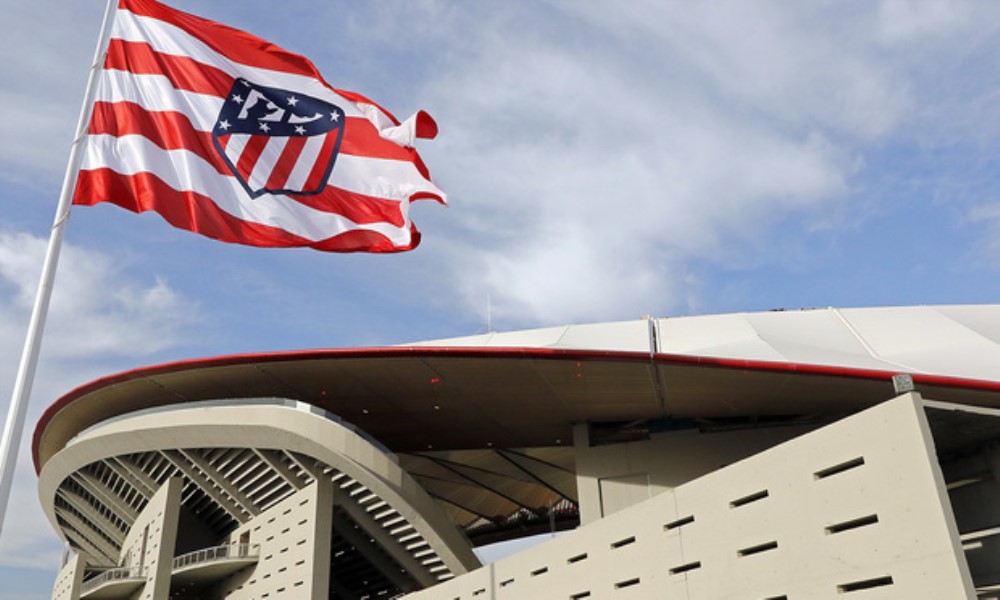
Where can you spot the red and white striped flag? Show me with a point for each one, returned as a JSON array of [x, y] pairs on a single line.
[[227, 135]]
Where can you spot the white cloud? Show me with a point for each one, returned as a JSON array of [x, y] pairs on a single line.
[[595, 158], [592, 182], [100, 320], [912, 20]]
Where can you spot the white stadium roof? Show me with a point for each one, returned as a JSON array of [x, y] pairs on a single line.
[[960, 341]]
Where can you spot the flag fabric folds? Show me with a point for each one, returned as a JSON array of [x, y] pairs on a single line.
[[230, 136]]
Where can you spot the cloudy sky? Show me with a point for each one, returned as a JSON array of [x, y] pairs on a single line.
[[665, 158]]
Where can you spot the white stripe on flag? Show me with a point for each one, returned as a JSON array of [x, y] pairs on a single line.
[[266, 162], [303, 167], [155, 94], [234, 147], [183, 170], [382, 178]]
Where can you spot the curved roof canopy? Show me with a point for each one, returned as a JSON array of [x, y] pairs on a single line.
[[526, 389]]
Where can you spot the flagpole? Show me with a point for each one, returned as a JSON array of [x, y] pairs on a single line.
[[14, 425]]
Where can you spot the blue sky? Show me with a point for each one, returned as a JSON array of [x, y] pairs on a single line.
[[665, 158]]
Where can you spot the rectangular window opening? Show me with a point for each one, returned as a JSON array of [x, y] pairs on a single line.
[[506, 582], [679, 523], [748, 499], [852, 524], [541, 571], [691, 566], [758, 549], [867, 584], [627, 583], [579, 595], [624, 542], [837, 469], [577, 558]]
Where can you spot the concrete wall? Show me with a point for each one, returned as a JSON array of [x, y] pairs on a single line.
[[68, 580], [857, 509], [616, 476], [150, 543], [294, 538]]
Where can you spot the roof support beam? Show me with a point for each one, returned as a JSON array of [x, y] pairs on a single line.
[[100, 491], [205, 483], [135, 477], [503, 454], [448, 465], [222, 481], [98, 543], [273, 460], [345, 528], [391, 545], [309, 466], [90, 513]]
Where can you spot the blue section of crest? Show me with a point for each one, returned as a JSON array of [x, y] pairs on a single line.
[[265, 112]]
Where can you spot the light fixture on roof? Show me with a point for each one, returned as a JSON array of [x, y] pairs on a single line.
[[902, 383]]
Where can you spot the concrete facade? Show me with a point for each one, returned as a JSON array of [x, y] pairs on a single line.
[[856, 506]]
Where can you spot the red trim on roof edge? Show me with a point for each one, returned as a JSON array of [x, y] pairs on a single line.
[[485, 352]]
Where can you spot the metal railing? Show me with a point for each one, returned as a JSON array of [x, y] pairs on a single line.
[[229, 551], [110, 575]]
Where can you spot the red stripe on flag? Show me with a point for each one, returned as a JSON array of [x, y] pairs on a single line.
[[231, 43], [187, 210], [184, 73], [322, 161], [356, 207], [361, 138], [286, 162], [250, 156]]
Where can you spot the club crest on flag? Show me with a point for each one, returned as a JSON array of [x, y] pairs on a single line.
[[276, 141]]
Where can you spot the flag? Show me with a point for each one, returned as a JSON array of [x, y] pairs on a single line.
[[227, 135]]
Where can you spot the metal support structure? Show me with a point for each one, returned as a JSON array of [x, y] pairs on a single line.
[[16, 412]]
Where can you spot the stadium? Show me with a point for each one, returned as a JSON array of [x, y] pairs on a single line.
[[822, 453]]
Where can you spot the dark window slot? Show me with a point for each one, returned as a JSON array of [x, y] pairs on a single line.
[[758, 549], [579, 595], [837, 469], [867, 584], [685, 568], [679, 523], [624, 542], [852, 524], [627, 583], [748, 499], [577, 558], [538, 572]]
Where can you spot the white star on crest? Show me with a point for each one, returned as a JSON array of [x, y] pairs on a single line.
[[300, 130], [264, 127], [334, 117], [237, 99], [224, 124], [292, 101]]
